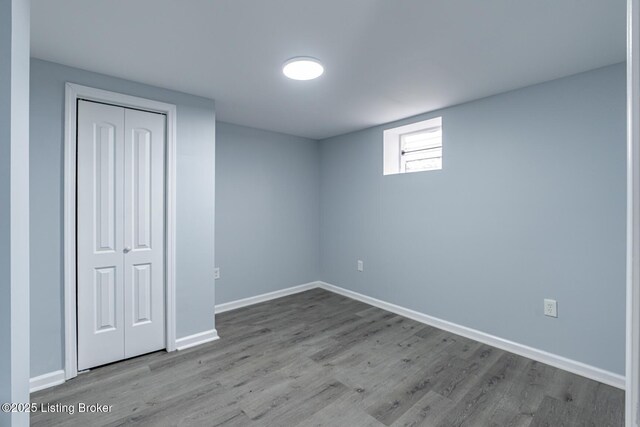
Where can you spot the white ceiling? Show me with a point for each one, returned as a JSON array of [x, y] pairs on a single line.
[[384, 59]]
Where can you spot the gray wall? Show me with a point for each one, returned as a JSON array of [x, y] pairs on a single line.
[[195, 205], [530, 204], [267, 211], [14, 208]]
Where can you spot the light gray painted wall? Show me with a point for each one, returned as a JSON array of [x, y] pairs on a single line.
[[14, 207], [195, 205], [530, 204], [267, 211]]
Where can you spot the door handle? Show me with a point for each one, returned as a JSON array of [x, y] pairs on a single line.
[[127, 249]]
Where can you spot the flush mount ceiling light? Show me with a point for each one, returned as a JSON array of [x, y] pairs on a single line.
[[303, 68]]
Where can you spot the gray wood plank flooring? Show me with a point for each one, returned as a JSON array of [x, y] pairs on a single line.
[[320, 359]]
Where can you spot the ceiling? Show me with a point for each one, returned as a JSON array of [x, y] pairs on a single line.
[[384, 59]]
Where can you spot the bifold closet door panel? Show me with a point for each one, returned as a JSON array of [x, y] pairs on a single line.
[[100, 240], [144, 232], [120, 233]]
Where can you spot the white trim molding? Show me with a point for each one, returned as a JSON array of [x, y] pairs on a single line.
[[46, 380], [573, 366], [196, 339], [560, 362], [228, 306], [632, 398], [73, 92]]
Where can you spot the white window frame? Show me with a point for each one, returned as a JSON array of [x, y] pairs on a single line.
[[392, 151]]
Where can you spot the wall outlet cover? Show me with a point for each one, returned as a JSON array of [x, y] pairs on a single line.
[[360, 265], [216, 273], [550, 308]]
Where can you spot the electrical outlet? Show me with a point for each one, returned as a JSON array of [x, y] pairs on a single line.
[[360, 265], [550, 308], [216, 273]]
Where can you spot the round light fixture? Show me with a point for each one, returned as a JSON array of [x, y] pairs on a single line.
[[303, 68]]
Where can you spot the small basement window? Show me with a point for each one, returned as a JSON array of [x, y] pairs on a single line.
[[413, 148]]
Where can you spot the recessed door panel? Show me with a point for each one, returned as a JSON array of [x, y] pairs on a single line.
[[141, 293], [141, 165], [105, 302], [104, 151]]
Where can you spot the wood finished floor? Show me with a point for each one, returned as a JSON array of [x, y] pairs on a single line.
[[320, 359]]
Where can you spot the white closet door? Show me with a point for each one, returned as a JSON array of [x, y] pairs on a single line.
[[120, 233], [144, 232], [100, 286]]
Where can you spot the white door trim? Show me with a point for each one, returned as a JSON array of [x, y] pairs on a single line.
[[73, 92], [632, 402]]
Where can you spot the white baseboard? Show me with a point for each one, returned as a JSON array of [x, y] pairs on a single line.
[[579, 368], [227, 306], [196, 339], [616, 380], [46, 380], [58, 377]]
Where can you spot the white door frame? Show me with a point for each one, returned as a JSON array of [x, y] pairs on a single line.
[[73, 92], [632, 400]]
